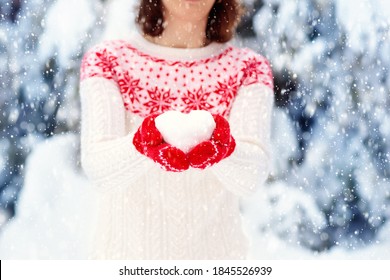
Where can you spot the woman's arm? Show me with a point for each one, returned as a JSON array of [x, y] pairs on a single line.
[[108, 155], [250, 124]]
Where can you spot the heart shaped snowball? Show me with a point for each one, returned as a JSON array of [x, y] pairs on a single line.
[[185, 131]]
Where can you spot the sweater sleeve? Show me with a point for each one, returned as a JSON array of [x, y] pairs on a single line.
[[250, 123], [108, 155]]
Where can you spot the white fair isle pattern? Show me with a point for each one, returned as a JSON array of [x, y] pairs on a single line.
[[146, 212]]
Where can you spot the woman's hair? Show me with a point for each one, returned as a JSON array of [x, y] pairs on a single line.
[[222, 20]]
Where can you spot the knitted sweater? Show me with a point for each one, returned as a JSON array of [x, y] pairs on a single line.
[[144, 211]]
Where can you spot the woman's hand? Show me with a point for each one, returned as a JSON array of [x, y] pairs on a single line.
[[220, 146], [149, 142]]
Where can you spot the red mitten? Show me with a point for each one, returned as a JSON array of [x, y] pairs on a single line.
[[220, 146], [149, 142]]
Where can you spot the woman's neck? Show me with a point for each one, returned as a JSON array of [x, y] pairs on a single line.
[[181, 34]]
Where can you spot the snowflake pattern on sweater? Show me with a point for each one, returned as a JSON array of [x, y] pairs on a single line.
[[149, 84]]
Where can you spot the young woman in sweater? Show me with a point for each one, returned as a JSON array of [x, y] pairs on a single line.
[[157, 201]]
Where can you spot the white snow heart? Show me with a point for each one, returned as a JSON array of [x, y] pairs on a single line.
[[185, 131]]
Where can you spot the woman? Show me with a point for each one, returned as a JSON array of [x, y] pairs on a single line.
[[156, 201]]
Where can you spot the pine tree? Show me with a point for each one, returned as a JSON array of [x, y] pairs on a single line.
[[332, 83]]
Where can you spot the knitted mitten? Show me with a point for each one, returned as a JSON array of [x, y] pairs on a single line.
[[149, 142], [220, 146]]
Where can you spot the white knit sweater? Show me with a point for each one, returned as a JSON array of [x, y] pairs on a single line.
[[144, 211]]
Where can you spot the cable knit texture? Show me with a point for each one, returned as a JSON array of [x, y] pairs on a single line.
[[144, 211]]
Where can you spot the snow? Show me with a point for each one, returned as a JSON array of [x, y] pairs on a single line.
[[185, 131], [335, 52], [328, 196], [119, 19], [55, 209], [66, 26], [271, 207], [358, 19]]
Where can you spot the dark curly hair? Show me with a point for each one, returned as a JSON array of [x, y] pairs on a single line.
[[222, 20]]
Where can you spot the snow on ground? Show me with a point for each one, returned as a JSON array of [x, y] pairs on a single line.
[[55, 207]]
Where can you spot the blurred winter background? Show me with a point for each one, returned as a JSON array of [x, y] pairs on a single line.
[[328, 196]]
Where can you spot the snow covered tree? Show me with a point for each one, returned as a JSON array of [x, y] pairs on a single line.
[[330, 184], [331, 71], [41, 50]]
